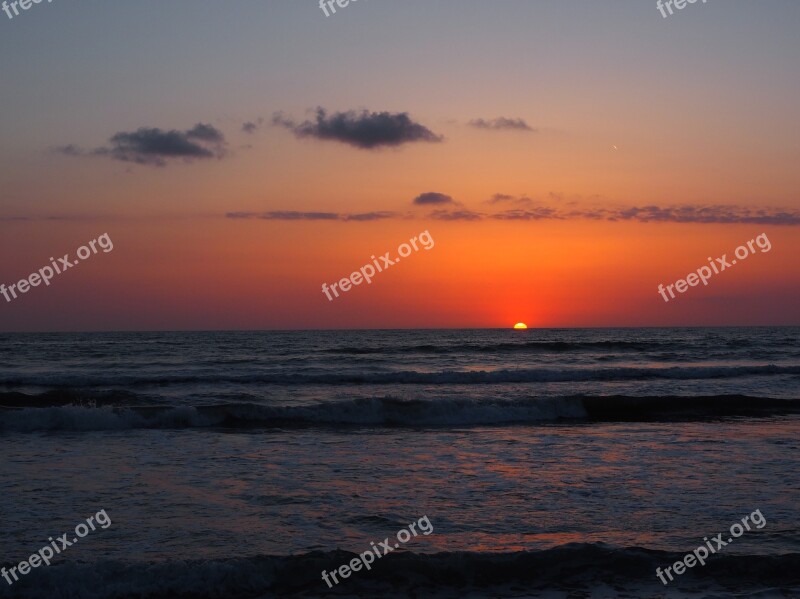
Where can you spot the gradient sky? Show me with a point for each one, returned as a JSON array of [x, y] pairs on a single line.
[[653, 144]]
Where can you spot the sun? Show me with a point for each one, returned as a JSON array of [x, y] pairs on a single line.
[[520, 325]]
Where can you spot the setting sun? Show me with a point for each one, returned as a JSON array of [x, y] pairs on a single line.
[[520, 325]]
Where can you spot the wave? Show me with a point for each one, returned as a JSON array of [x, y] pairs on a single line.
[[406, 377], [576, 570], [79, 397], [391, 412], [559, 347], [531, 346]]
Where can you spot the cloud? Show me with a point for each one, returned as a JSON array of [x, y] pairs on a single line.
[[364, 130], [285, 215], [539, 213], [432, 197], [697, 214], [39, 218], [153, 146], [501, 124], [455, 215], [205, 133], [250, 127], [705, 214], [70, 150], [330, 216], [367, 216], [500, 198]]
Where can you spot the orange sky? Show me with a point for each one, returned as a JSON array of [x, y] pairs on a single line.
[[693, 117]]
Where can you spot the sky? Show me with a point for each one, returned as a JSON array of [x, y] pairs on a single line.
[[566, 157]]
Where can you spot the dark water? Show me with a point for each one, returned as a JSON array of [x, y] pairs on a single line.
[[557, 463]]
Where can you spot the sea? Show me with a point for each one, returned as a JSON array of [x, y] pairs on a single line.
[[555, 463]]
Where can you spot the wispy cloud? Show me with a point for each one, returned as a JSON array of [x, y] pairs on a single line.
[[720, 214], [70, 150], [501, 124], [502, 198], [367, 216], [539, 213], [155, 147], [285, 215], [329, 216], [468, 215], [251, 127], [453, 211], [364, 130], [698, 214], [41, 218]]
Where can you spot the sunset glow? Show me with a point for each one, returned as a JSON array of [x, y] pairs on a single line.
[[229, 211]]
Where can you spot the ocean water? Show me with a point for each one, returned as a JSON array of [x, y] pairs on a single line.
[[550, 463]]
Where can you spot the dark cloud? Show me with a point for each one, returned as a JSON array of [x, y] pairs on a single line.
[[432, 197], [153, 146], [205, 133], [455, 215], [365, 130], [500, 124]]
